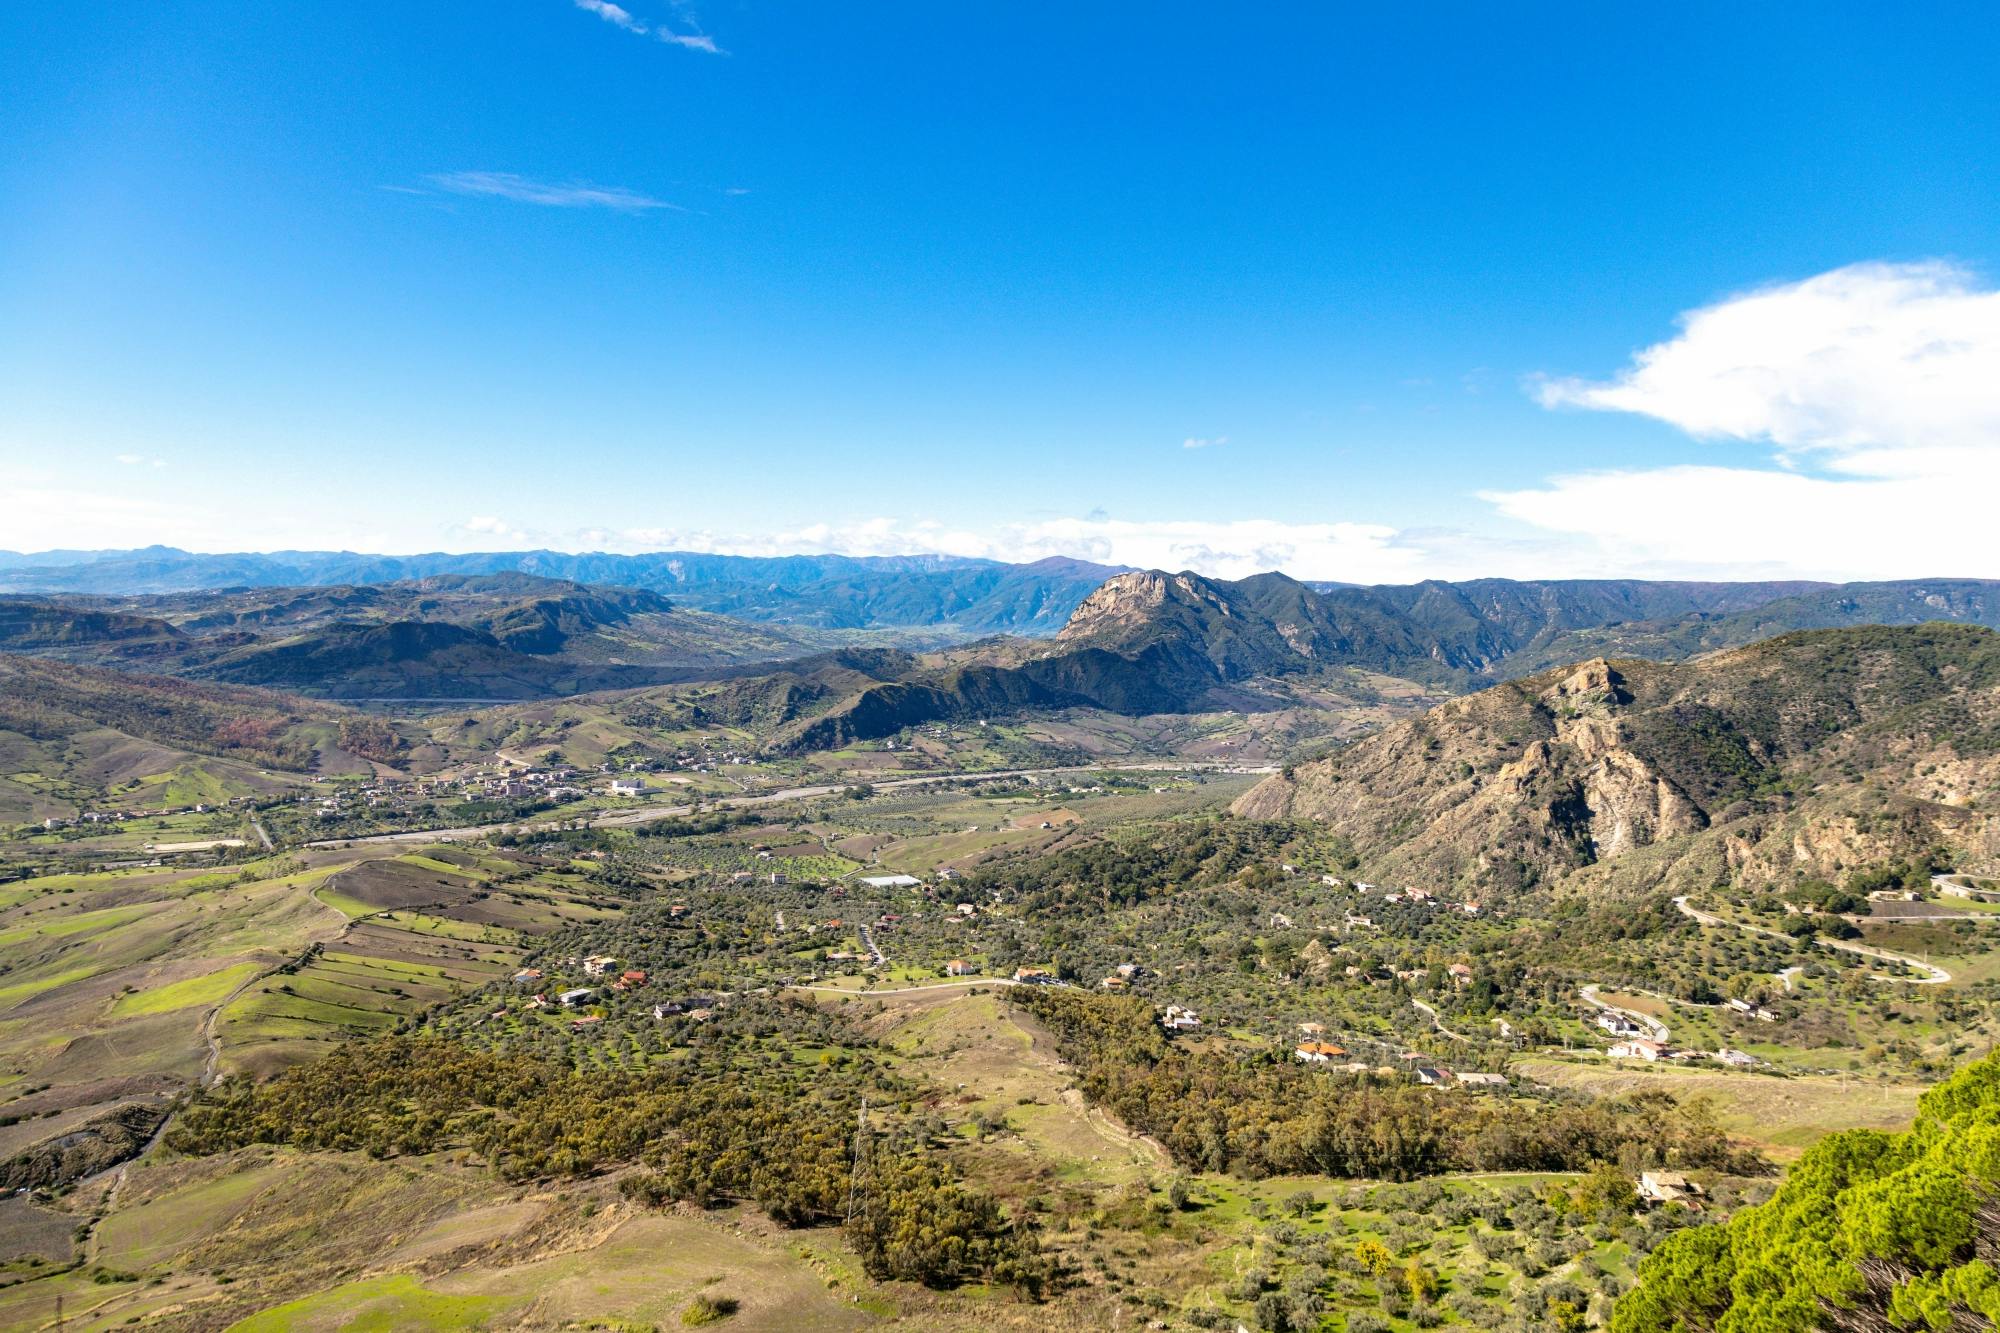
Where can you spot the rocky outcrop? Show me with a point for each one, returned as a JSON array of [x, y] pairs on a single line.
[[97, 1144], [1812, 754]]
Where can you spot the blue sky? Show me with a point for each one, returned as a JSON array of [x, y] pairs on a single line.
[[453, 275]]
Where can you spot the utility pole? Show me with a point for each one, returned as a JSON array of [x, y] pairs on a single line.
[[854, 1165]]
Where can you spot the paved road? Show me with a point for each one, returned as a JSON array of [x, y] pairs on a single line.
[[868, 943], [626, 818], [1933, 974], [909, 990]]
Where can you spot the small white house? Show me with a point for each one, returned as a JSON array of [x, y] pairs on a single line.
[[629, 787], [569, 999], [1756, 1011]]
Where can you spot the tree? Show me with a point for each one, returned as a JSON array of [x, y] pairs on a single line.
[[1607, 1190], [1374, 1256]]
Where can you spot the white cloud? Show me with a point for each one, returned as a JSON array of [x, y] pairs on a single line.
[[492, 530], [692, 41], [1877, 389], [1857, 361], [620, 17], [1196, 442], [612, 14], [521, 189]]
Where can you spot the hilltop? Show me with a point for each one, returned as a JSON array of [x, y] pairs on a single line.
[[71, 735], [1148, 642], [1809, 753], [500, 636]]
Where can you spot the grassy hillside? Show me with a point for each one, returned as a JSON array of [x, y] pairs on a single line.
[[73, 737]]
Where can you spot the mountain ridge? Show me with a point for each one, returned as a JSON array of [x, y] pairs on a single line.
[[1811, 752], [973, 596]]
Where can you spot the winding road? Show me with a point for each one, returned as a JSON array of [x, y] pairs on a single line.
[[1438, 1023], [1933, 974]]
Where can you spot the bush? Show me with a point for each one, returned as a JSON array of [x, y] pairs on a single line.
[[708, 1310]]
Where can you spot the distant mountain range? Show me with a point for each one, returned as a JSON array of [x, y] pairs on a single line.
[[1131, 642], [456, 636], [972, 597], [1459, 635], [1150, 642]]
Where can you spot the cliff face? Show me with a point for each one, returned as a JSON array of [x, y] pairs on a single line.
[[1810, 754]]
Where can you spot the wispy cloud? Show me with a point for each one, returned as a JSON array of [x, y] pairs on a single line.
[[522, 189], [693, 41], [620, 17], [140, 460], [615, 15], [1196, 442]]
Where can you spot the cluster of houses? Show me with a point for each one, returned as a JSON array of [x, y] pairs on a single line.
[[1122, 977], [1437, 1076], [511, 779], [1419, 897], [610, 978], [120, 816], [1635, 1043], [697, 758], [1316, 1051], [1653, 1052]]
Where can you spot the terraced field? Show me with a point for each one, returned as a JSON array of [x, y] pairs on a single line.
[[137, 984]]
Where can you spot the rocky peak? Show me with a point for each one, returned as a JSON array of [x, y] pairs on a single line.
[[1589, 686], [1125, 601]]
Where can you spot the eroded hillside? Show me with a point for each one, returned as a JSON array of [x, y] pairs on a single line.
[[1809, 753]]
